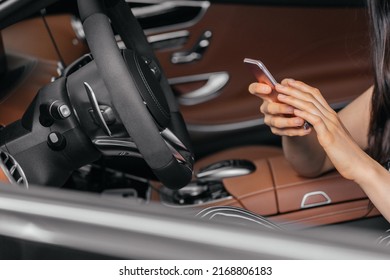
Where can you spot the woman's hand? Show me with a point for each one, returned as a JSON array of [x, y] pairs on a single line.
[[308, 104], [277, 115]]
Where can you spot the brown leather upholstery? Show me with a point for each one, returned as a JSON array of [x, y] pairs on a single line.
[[292, 188], [30, 37], [27, 44], [277, 191], [18, 98], [324, 215], [3, 176]]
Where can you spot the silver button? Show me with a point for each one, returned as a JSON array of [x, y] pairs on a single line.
[[64, 111]]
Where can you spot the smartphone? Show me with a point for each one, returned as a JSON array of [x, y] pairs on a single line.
[[261, 72], [264, 76]]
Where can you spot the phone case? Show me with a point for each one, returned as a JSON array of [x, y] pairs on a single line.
[[261, 72]]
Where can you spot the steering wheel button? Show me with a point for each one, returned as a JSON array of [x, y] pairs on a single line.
[[64, 111], [53, 138], [56, 141], [58, 110]]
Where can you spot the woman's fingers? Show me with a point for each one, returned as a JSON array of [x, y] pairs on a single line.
[[301, 90], [310, 106], [305, 101], [290, 131], [299, 104], [263, 91], [276, 108], [309, 89], [325, 135], [259, 88], [278, 116], [283, 122]]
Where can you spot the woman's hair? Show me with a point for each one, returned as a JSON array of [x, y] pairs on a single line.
[[379, 131]]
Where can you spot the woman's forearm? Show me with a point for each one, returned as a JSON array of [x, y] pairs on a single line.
[[375, 182], [306, 155]]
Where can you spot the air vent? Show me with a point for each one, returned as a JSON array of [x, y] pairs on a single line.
[[12, 170]]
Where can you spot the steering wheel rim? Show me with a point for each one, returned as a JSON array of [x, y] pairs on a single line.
[[172, 168]]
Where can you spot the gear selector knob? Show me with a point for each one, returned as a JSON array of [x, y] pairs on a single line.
[[225, 169]]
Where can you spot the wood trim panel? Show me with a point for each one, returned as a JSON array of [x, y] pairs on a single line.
[[302, 43], [16, 99], [30, 37]]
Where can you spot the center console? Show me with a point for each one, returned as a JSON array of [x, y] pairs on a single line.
[[269, 186], [208, 186]]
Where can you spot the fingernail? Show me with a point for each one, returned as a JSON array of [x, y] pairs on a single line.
[[280, 86]]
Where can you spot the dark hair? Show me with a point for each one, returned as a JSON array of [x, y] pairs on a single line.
[[379, 131]]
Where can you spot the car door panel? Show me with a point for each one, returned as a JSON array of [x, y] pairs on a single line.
[[325, 47]]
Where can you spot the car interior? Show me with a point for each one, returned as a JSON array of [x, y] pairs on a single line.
[[148, 101]]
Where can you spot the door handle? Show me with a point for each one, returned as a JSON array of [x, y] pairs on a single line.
[[214, 83], [196, 52]]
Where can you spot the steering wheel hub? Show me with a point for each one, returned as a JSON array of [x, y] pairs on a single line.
[[145, 74]]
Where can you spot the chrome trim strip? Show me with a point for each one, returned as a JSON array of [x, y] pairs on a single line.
[[227, 172], [161, 6], [96, 109], [175, 153], [175, 145], [225, 127], [213, 211], [157, 38], [9, 171], [129, 148], [168, 36], [115, 143], [78, 29], [308, 195], [168, 135], [164, 7]]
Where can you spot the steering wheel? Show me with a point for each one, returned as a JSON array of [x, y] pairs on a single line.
[[138, 89]]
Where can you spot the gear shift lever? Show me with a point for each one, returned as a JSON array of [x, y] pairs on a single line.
[[225, 169]]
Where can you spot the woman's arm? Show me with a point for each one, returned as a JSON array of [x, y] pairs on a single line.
[[336, 140], [341, 148], [308, 156], [301, 147], [342, 136]]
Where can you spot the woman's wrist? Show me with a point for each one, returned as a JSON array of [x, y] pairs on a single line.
[[304, 154], [366, 171]]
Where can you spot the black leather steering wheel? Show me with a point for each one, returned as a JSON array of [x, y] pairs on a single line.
[[138, 89]]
